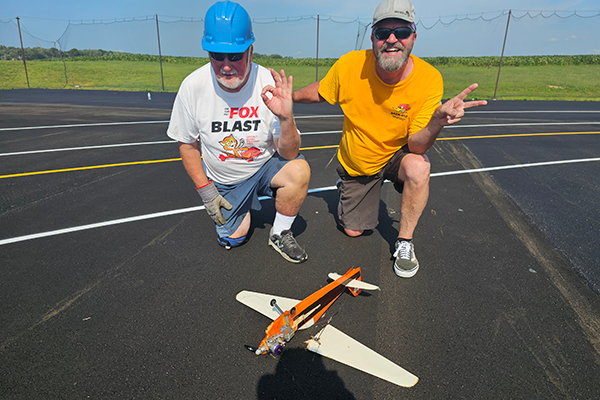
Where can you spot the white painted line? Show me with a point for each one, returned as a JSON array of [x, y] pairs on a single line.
[[486, 126], [523, 124], [506, 167], [302, 134], [311, 191], [317, 116], [98, 225], [20, 153], [24, 128], [318, 133], [296, 117], [534, 112]]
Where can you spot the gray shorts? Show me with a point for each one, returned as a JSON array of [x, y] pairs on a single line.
[[359, 195]]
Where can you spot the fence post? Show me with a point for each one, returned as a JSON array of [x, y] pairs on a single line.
[[23, 52], [502, 55], [62, 58], [317, 70], [160, 55]]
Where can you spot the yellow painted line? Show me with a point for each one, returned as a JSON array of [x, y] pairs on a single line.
[[303, 148], [518, 135], [333, 146], [89, 167], [55, 171]]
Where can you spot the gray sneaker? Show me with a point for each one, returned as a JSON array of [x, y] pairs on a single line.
[[406, 264], [287, 246]]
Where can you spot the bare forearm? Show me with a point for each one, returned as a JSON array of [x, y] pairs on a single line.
[[422, 141], [307, 95], [288, 144], [448, 113], [192, 161]]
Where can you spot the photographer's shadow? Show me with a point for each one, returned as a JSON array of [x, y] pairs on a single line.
[[300, 374]]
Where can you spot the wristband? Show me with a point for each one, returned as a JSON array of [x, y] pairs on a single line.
[[200, 187]]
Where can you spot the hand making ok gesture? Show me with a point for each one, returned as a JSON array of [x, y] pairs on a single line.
[[280, 99]]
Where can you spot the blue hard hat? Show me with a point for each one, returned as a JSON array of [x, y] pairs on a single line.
[[227, 28]]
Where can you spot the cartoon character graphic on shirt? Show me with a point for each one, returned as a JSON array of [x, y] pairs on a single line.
[[400, 112], [402, 108], [234, 148]]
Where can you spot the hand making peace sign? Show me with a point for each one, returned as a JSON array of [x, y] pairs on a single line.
[[454, 109]]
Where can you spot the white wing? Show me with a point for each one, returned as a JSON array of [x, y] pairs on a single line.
[[355, 283], [262, 303], [333, 343]]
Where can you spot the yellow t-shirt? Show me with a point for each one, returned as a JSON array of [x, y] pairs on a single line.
[[378, 118]]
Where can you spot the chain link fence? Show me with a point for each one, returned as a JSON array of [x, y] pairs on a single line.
[[480, 34]]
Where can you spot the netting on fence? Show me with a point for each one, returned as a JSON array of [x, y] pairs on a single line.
[[527, 33]]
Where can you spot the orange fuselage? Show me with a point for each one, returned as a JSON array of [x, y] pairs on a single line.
[[310, 309]]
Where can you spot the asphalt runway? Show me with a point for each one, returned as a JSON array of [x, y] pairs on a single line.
[[112, 284]]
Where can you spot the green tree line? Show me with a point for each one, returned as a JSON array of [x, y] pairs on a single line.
[[514, 61], [39, 53]]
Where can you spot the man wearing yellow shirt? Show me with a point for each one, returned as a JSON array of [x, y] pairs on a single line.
[[392, 116]]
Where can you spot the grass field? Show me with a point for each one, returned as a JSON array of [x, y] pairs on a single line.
[[551, 82]]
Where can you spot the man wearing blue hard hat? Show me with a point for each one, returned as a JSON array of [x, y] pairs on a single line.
[[237, 137]]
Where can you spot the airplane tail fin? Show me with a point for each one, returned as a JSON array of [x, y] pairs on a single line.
[[355, 284]]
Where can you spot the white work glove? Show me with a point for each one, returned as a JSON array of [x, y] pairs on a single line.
[[213, 202]]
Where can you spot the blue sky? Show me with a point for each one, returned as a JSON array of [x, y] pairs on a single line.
[[445, 28]]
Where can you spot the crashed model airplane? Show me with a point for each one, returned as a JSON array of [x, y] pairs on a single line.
[[289, 315]]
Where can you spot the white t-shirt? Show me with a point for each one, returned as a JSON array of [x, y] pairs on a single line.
[[235, 130]]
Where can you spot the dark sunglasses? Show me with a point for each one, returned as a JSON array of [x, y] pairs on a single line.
[[400, 33], [233, 57]]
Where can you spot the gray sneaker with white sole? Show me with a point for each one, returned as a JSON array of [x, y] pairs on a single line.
[[406, 264], [287, 246]]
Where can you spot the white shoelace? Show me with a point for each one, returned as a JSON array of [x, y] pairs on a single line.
[[404, 250]]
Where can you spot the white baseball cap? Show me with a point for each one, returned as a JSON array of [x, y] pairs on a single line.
[[399, 9]]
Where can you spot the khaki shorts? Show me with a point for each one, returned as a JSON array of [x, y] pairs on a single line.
[[360, 195]]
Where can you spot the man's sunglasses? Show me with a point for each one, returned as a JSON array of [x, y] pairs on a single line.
[[400, 33], [233, 57]]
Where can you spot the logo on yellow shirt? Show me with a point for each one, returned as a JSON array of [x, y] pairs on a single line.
[[399, 112], [402, 108]]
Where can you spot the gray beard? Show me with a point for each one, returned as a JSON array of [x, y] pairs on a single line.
[[390, 64], [231, 85], [236, 84]]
